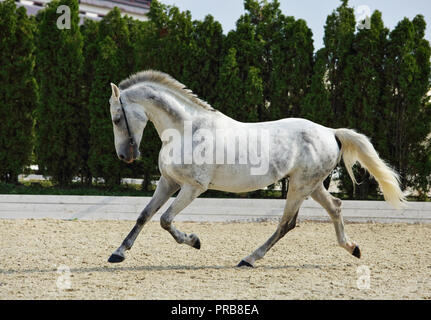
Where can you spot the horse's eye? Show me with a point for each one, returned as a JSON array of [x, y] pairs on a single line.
[[117, 121]]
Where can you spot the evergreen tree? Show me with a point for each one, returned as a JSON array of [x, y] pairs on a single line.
[[18, 90], [338, 39], [206, 52], [172, 43], [116, 27], [292, 69], [237, 99], [328, 81], [253, 40], [90, 33], [407, 74], [113, 62], [103, 160], [316, 105], [363, 89], [59, 113], [253, 91]]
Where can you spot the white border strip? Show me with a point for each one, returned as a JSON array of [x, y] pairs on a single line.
[[200, 210]]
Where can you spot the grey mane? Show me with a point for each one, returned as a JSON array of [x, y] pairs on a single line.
[[164, 79]]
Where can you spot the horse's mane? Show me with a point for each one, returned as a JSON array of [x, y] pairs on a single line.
[[166, 80]]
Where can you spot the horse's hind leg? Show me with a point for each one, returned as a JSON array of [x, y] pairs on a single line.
[[186, 195], [287, 223], [333, 207], [165, 189]]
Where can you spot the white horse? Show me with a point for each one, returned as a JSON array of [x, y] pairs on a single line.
[[197, 137]]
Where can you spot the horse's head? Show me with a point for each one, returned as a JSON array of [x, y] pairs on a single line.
[[129, 121]]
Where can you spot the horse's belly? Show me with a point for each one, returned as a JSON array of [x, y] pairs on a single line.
[[238, 178]]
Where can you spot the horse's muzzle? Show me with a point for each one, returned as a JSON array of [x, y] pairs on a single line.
[[129, 157], [125, 159]]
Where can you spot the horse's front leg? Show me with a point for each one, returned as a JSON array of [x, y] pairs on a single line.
[[165, 189], [186, 195]]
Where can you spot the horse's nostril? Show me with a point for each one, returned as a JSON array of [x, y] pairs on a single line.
[[122, 156]]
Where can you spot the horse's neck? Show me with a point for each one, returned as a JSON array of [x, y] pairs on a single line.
[[181, 103], [174, 108], [171, 112]]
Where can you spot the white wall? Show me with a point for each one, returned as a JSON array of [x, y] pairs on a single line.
[[202, 209]]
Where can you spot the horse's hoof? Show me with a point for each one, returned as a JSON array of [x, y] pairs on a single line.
[[244, 263], [115, 258], [193, 241], [356, 252], [197, 244]]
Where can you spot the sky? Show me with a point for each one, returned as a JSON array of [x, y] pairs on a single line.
[[314, 12]]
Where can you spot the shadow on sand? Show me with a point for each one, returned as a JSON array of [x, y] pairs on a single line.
[[111, 269]]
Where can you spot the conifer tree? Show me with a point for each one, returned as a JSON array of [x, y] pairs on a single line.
[[292, 57], [59, 113], [206, 53], [362, 95], [90, 33], [113, 62], [229, 87], [338, 38], [103, 159], [18, 90], [316, 105], [407, 109]]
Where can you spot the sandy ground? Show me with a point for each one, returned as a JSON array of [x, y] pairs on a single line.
[[55, 259]]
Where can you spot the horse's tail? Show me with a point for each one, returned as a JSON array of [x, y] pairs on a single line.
[[357, 147]]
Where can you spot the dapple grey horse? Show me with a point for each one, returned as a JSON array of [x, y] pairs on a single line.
[[204, 149]]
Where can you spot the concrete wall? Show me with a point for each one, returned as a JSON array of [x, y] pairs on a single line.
[[202, 209]]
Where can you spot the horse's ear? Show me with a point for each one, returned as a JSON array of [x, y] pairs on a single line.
[[115, 91]]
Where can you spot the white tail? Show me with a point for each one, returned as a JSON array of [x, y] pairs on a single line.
[[357, 147]]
